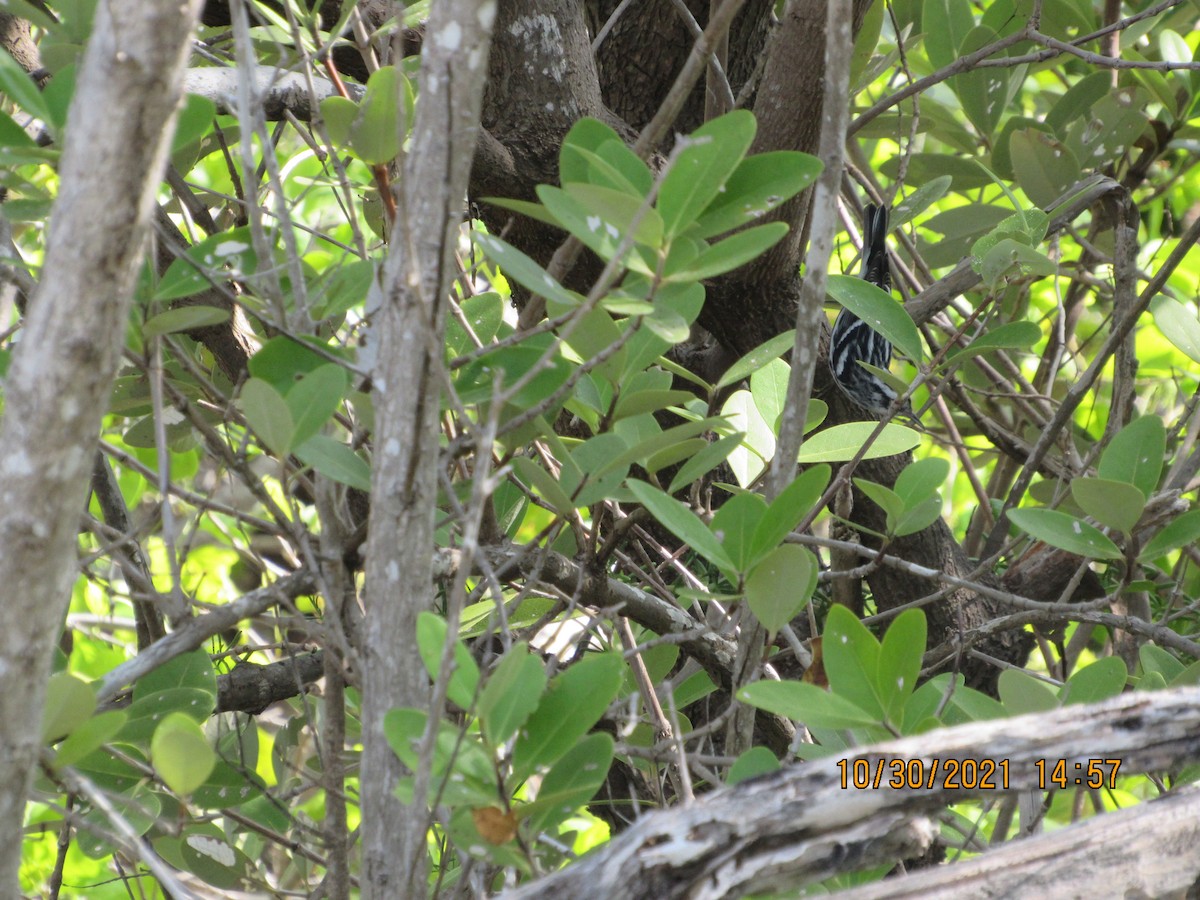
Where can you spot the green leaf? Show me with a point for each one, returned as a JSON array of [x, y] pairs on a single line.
[[851, 655], [788, 509], [781, 585], [602, 237], [841, 442], [919, 200], [184, 318], [1101, 680], [1065, 532], [1020, 335], [1078, 101], [1043, 165], [758, 185], [805, 703], [282, 360], [195, 121], [705, 461], [732, 252], [946, 24], [877, 308], [268, 414], [982, 91], [922, 479], [1021, 693], [1135, 454], [523, 270], [734, 525], [90, 736], [511, 694], [919, 517], [464, 771], [188, 670], [464, 679], [1177, 533], [699, 171], [574, 702], [70, 702], [883, 497], [684, 524], [900, 657], [757, 358], [1113, 503], [1179, 325], [181, 753], [621, 210], [755, 761], [314, 399], [375, 134], [1156, 659], [570, 783], [335, 461], [587, 135]]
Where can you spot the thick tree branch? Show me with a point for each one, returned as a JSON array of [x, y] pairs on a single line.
[[58, 385], [802, 824]]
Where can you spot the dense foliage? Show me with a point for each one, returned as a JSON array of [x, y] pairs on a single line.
[[602, 524]]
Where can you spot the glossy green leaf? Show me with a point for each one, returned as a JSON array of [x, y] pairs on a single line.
[[982, 91], [781, 585], [1021, 693], [70, 701], [1065, 532], [313, 400], [1135, 454], [91, 735], [805, 703], [754, 762], [589, 135], [727, 255], [789, 508], [603, 238], [758, 185], [704, 461], [1175, 534], [184, 318], [701, 165], [573, 703], [268, 415], [922, 479], [620, 210], [842, 442], [511, 694], [900, 656], [918, 201], [1113, 503], [851, 656], [181, 753], [195, 120], [768, 388], [1020, 335], [1178, 324], [883, 497], [947, 23], [683, 523], [523, 270], [570, 783], [1043, 165], [536, 477], [431, 641], [734, 525], [877, 308], [1098, 681], [375, 135], [757, 358], [335, 461], [1156, 659], [188, 670]]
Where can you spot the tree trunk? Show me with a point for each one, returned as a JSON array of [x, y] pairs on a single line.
[[62, 371]]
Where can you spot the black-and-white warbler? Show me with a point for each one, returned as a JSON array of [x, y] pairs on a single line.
[[854, 340]]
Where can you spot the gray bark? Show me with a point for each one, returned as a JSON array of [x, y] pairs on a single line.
[[62, 371], [800, 825], [409, 327]]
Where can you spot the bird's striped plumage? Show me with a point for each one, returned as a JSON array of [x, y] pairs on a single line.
[[853, 340]]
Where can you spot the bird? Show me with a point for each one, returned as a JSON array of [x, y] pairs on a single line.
[[854, 341]]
